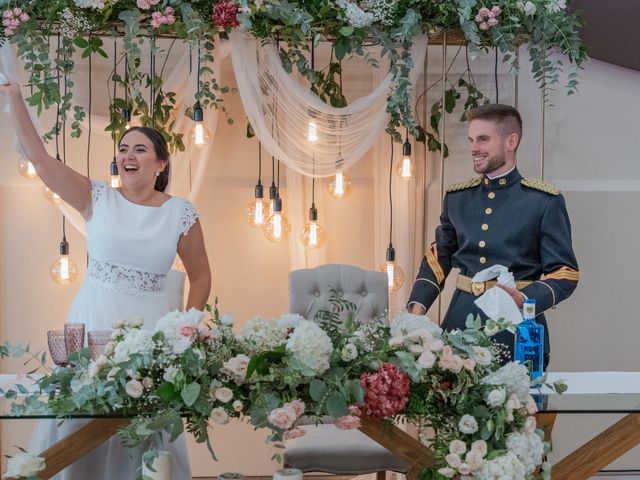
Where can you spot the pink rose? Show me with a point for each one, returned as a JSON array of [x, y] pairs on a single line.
[[283, 418], [469, 364], [483, 26], [453, 460], [484, 11], [237, 406], [348, 422], [24, 17], [187, 330], [458, 447], [17, 11], [496, 10], [223, 394], [474, 460], [479, 18], [297, 405], [147, 382], [479, 446], [492, 22], [219, 416], [294, 433], [134, 388]]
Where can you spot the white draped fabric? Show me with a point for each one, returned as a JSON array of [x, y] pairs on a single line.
[[281, 109], [188, 167]]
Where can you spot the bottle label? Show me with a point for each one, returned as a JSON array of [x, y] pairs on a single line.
[[529, 310]]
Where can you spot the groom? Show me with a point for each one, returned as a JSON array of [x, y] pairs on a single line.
[[498, 218]]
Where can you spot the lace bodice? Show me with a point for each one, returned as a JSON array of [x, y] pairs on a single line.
[[132, 247]]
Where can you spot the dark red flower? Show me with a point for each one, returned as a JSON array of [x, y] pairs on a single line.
[[386, 391], [225, 14]]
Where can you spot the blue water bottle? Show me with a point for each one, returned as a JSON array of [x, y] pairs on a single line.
[[529, 341]]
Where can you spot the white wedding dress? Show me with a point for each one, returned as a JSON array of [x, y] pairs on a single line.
[[131, 249]]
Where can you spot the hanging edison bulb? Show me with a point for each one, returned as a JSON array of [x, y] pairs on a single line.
[[339, 186], [50, 195], [258, 209], [127, 119], [26, 168], [395, 275], [405, 168], [199, 135], [64, 270], [312, 234], [114, 180], [277, 226]]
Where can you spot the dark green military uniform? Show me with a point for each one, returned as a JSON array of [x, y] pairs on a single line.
[[512, 221]]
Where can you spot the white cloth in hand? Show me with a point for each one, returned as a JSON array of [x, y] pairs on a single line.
[[495, 302]]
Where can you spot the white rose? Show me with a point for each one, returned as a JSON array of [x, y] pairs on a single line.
[[482, 355], [147, 382], [530, 424], [496, 397], [427, 359], [468, 424], [453, 460], [108, 348], [237, 406], [136, 322], [464, 469], [226, 319], [447, 472], [436, 345], [458, 447], [474, 459], [529, 8], [224, 394], [349, 352], [101, 360], [397, 341], [219, 416], [112, 373], [117, 324], [170, 374], [134, 388], [24, 465], [416, 348], [479, 446]]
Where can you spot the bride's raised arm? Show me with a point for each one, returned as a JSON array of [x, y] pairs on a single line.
[[74, 188]]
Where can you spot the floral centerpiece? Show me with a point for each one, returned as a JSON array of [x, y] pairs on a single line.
[[479, 415], [350, 25]]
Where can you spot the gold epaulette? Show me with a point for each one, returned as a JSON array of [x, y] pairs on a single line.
[[474, 182], [540, 185]]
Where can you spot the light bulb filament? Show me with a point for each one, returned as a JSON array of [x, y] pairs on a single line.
[[64, 268], [199, 134], [406, 168], [277, 225], [339, 184], [390, 274], [313, 234], [259, 214]]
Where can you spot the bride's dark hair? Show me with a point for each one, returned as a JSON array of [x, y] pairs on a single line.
[[161, 148]]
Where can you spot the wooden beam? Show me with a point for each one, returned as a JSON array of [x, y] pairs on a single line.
[[400, 443], [66, 451], [599, 452]]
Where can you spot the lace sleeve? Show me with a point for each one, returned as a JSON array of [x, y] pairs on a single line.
[[188, 217], [97, 190]]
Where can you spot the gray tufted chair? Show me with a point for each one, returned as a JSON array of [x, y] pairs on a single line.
[[325, 448]]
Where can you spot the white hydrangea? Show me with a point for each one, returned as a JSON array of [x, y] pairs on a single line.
[[178, 329], [311, 346], [406, 322], [514, 376], [382, 10], [263, 334], [528, 447], [528, 8], [355, 15], [289, 321], [135, 341], [23, 465], [504, 467]]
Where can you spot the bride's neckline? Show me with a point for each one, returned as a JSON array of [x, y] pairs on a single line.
[[139, 204]]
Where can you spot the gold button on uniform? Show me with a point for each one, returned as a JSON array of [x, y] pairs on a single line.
[[483, 260], [491, 195], [482, 244], [503, 181], [486, 181], [488, 211], [485, 227]]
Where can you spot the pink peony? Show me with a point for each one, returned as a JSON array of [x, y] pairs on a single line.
[[348, 422], [225, 14], [187, 330], [386, 391], [297, 405], [283, 418], [294, 433]]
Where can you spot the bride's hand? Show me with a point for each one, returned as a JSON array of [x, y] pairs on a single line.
[[8, 87]]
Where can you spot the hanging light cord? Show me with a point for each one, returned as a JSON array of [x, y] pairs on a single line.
[[259, 163], [495, 75], [89, 116], [390, 198], [115, 87]]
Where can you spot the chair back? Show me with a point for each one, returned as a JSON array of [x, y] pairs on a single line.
[[310, 290]]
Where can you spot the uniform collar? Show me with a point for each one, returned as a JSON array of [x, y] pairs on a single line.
[[503, 181]]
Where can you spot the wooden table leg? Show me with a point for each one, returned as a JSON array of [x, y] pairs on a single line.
[[599, 452], [401, 444], [66, 451], [545, 421]]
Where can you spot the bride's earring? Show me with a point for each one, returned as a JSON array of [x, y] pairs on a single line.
[[157, 174]]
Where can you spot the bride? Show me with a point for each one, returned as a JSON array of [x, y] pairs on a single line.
[[133, 235]]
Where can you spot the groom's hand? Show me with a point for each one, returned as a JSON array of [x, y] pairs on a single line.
[[517, 295]]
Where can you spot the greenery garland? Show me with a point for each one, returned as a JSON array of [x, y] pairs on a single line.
[[350, 26]]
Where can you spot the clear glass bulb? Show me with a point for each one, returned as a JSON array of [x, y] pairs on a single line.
[[312, 131], [313, 235], [395, 275], [405, 168], [339, 186], [257, 212], [64, 270], [199, 135], [26, 168], [50, 195], [115, 181], [277, 227]]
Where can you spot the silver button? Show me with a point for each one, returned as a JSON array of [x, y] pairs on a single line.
[[317, 294], [364, 293]]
